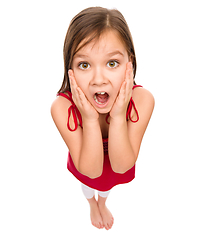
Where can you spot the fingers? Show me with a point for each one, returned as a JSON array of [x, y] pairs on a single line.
[[72, 80], [129, 75], [122, 93], [127, 85], [129, 80], [78, 96], [84, 106], [81, 96], [75, 90]]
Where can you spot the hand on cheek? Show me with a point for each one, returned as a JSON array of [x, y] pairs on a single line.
[[121, 103], [86, 109]]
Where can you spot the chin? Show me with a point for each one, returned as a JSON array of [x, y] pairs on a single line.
[[103, 111]]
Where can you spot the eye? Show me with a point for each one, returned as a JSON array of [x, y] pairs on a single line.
[[112, 64], [84, 65]]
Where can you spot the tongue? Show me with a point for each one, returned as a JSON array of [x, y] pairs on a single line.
[[102, 97]]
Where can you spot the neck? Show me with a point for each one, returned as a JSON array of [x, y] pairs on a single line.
[[103, 125]]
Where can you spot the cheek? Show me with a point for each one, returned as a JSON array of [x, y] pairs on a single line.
[[118, 78], [81, 80]]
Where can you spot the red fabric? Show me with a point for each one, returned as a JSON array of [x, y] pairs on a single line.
[[72, 109], [109, 178]]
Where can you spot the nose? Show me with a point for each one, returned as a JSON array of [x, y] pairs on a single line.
[[98, 77]]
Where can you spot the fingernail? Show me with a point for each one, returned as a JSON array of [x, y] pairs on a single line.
[[70, 72], [130, 65]]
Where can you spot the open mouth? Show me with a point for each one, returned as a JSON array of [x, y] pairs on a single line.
[[101, 98]]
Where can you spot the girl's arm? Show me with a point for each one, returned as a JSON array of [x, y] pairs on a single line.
[[85, 145], [91, 155], [125, 137]]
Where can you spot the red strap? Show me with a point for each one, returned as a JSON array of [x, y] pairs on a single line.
[[77, 116], [72, 110], [129, 109], [136, 86], [130, 106], [128, 114]]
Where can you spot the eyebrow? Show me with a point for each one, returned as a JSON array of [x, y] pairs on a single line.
[[77, 55], [110, 54], [115, 53]]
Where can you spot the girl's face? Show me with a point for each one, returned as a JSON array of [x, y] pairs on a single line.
[[99, 69]]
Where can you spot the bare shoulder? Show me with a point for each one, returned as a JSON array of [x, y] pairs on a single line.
[[73, 139], [60, 107], [144, 101], [59, 112], [142, 96]]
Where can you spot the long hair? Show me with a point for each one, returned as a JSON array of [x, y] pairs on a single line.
[[88, 25]]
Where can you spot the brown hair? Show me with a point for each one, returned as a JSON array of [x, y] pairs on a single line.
[[88, 25]]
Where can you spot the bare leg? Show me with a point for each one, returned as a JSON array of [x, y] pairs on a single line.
[[107, 217], [96, 218]]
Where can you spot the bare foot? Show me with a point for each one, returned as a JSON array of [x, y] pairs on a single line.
[[107, 217], [96, 218]]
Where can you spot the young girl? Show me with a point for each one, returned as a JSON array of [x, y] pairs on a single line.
[[100, 112]]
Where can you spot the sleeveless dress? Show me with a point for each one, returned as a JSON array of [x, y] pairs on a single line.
[[109, 178]]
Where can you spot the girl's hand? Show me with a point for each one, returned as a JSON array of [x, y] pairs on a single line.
[[121, 103], [84, 106]]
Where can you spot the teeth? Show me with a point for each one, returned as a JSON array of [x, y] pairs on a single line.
[[97, 99]]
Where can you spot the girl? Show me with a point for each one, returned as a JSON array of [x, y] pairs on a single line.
[[100, 112]]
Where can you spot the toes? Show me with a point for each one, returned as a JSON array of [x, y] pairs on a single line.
[[95, 225], [98, 225], [108, 226], [101, 226]]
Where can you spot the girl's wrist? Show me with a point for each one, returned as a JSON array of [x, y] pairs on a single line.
[[117, 120], [90, 122]]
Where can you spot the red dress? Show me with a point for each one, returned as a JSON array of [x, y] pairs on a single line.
[[109, 178]]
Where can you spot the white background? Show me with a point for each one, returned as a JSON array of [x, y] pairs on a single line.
[[40, 199]]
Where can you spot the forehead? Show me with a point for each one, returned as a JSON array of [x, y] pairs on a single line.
[[108, 42]]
